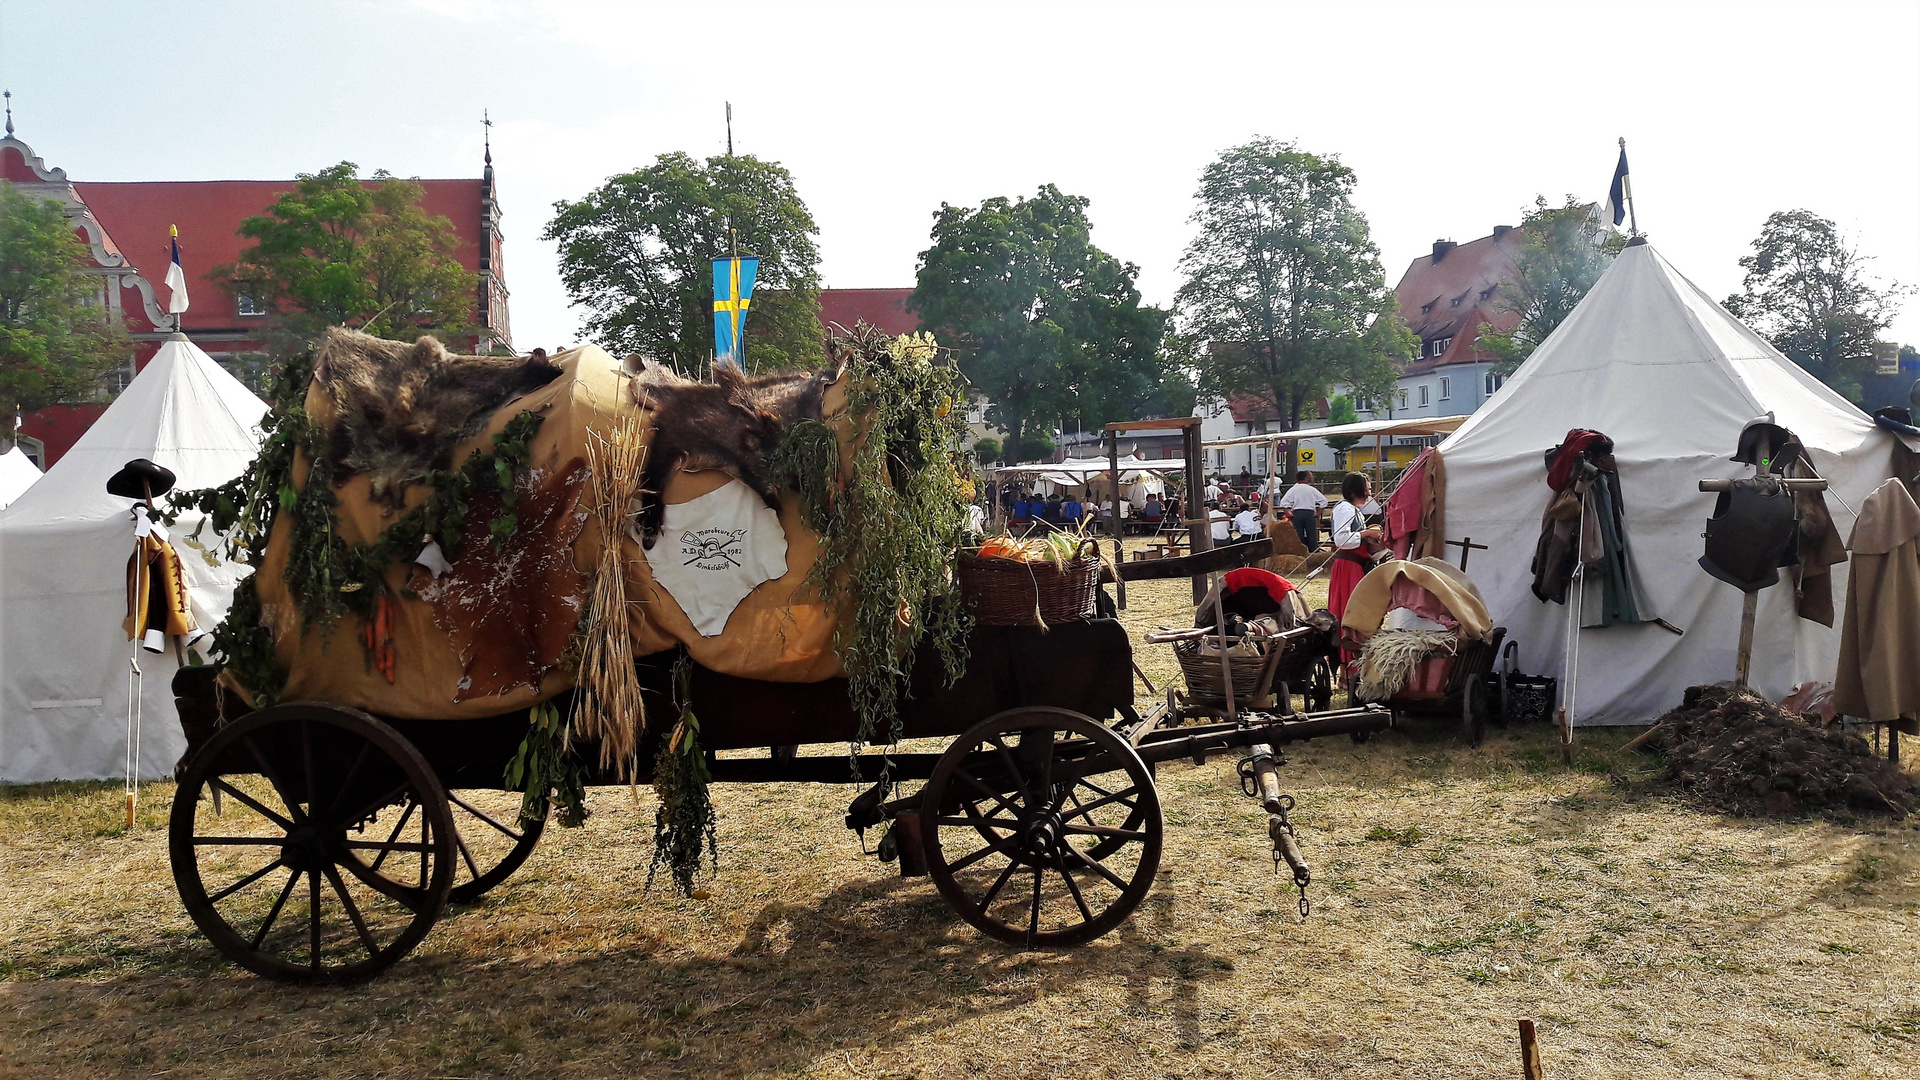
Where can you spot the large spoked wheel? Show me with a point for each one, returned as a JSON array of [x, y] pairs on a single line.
[[1320, 686], [489, 840], [1473, 709], [273, 831], [1042, 827]]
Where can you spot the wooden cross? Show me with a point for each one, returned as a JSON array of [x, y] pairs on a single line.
[[1467, 547]]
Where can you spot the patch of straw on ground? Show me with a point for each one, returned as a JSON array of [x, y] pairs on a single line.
[[1455, 889]]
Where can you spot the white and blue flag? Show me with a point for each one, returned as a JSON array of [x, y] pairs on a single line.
[[176, 278], [1621, 191]]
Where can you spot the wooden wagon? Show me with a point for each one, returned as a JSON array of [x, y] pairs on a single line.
[[316, 843]]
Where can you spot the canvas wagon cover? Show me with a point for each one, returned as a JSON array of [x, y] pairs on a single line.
[[491, 635]]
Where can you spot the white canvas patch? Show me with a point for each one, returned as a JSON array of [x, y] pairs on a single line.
[[716, 549]]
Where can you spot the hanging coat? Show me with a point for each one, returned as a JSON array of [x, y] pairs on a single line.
[[156, 591], [1879, 673]]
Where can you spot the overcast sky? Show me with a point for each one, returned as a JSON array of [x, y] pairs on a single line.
[[1454, 116]]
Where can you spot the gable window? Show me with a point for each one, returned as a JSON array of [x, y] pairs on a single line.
[[1446, 388], [1440, 345], [1423, 395], [246, 305]]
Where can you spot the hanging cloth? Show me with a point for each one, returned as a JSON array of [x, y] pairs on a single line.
[[157, 603], [1878, 677], [716, 549]]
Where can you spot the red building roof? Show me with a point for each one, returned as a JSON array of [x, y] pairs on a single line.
[[882, 309], [1451, 293]]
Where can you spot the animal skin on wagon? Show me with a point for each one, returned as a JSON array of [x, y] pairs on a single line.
[[732, 423], [402, 408]]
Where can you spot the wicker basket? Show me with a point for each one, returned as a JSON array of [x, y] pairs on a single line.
[[1008, 592], [1252, 675]]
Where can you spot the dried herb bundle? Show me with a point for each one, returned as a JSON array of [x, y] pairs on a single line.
[[606, 701]]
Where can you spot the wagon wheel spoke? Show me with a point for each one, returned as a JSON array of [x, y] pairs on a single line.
[[407, 896], [999, 883], [371, 806], [260, 935], [1033, 916], [1000, 846], [465, 854], [395, 834], [243, 882], [1000, 801], [1073, 887], [476, 812], [1095, 866], [1081, 809], [353, 912], [1013, 769], [313, 919], [1121, 797], [372, 845], [346, 785], [258, 807], [1105, 831], [273, 777], [243, 841]]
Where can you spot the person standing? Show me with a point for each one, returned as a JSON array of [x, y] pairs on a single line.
[[1303, 503], [1351, 536], [1070, 511], [1213, 490]]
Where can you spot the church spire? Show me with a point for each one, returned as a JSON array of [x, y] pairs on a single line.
[[9, 94]]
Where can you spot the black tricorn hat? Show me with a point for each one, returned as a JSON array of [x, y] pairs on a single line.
[[140, 479]]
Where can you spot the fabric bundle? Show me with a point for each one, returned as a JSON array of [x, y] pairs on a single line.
[[1585, 525], [1389, 659]]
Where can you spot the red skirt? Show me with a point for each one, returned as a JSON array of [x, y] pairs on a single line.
[[1342, 579]]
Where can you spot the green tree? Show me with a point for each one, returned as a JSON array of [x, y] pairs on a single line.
[[57, 342], [637, 253], [340, 251], [1045, 324], [1284, 283], [986, 450], [1340, 410], [1807, 290], [1564, 251]]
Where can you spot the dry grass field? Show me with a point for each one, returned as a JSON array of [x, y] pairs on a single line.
[[1455, 890]]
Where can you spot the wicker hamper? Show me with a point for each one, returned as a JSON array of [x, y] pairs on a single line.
[[1009, 592]]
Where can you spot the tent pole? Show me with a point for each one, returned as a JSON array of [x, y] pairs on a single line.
[[1200, 534]]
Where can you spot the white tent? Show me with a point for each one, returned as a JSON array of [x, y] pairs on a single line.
[[1654, 363], [17, 474], [63, 558]]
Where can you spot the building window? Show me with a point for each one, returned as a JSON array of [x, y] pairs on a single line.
[[1361, 404], [1440, 345], [248, 306], [1219, 459], [1423, 395], [1403, 399], [1494, 382], [1446, 388]]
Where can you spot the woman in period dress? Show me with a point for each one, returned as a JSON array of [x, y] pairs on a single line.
[[1353, 542]]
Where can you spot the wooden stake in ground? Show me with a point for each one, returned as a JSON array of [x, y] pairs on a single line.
[[1529, 1053]]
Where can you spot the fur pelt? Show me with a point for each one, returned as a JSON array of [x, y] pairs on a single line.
[[732, 423], [402, 408]]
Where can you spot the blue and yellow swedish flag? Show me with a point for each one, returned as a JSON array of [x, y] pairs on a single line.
[[732, 290]]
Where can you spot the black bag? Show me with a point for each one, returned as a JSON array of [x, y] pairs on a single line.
[[1525, 699]]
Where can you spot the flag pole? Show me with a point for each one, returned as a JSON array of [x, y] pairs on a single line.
[[1626, 189]]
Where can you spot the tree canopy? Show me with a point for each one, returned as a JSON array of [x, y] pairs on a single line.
[[637, 253], [1340, 410], [340, 251], [1807, 289], [57, 343], [1284, 284], [1047, 325], [1564, 251]]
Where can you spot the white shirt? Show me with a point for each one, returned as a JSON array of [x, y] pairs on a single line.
[[1348, 524], [1213, 491], [1247, 522], [1303, 497], [1219, 519]]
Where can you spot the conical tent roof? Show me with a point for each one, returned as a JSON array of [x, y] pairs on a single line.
[[1671, 376], [17, 474], [63, 557]]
